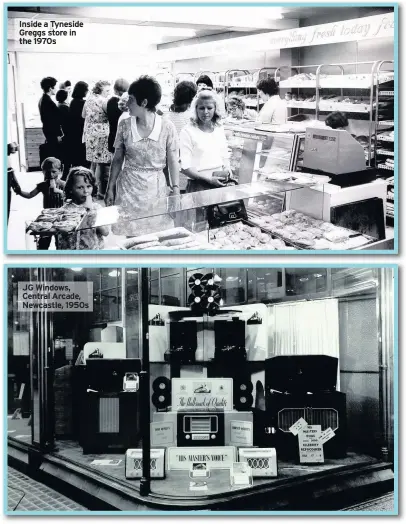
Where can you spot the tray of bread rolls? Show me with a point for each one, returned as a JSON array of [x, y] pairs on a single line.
[[177, 238], [305, 232], [244, 235], [54, 220]]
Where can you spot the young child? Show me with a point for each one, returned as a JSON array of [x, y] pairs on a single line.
[[79, 189], [52, 190], [12, 183]]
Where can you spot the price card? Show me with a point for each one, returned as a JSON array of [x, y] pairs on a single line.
[[240, 475], [241, 432], [298, 426], [326, 435], [162, 433], [310, 448]]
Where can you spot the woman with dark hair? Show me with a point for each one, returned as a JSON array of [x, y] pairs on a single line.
[[274, 110], [77, 148], [145, 143], [337, 120], [180, 114], [113, 110], [183, 95], [66, 86], [204, 81], [64, 116], [96, 133], [51, 125]]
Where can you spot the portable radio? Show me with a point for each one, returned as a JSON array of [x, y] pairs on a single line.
[[200, 429]]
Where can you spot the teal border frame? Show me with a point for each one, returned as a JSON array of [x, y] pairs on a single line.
[[192, 513], [394, 5]]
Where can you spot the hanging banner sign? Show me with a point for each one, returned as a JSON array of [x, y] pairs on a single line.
[[367, 28]]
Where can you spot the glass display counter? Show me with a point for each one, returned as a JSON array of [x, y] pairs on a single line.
[[271, 203], [251, 216]]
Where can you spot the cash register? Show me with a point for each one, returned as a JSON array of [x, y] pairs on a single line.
[[354, 198]]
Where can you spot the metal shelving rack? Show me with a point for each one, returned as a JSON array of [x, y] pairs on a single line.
[[384, 146], [364, 108], [228, 81], [386, 149]]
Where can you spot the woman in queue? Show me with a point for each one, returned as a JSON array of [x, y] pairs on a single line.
[[144, 143], [96, 134]]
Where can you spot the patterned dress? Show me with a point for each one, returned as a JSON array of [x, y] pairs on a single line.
[[96, 131], [142, 180], [83, 239]]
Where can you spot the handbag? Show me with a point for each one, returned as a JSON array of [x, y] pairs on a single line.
[[220, 214]]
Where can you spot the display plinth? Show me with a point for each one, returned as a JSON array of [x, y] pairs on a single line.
[[332, 486]]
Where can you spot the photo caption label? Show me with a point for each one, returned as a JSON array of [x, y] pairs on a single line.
[[34, 32], [55, 296]]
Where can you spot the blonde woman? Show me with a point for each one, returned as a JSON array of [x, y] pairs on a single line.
[[203, 146]]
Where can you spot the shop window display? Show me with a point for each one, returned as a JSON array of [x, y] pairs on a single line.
[[250, 391]]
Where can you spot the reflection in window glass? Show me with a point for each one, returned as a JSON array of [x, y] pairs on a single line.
[[171, 290], [353, 280], [233, 286], [154, 291], [263, 283], [132, 330], [304, 281]]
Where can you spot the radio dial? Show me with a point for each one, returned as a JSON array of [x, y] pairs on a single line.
[[187, 437], [213, 436]]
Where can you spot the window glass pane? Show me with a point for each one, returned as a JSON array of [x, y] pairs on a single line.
[[353, 280], [263, 283], [167, 271], [110, 305], [154, 292], [109, 278], [132, 314], [304, 281], [232, 286], [171, 290]]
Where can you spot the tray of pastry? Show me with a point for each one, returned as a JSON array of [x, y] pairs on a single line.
[[245, 235], [305, 232], [52, 221], [177, 238], [295, 177]]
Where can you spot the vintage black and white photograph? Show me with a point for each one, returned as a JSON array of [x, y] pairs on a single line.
[[180, 389], [201, 129]]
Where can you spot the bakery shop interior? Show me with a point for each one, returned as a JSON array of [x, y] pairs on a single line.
[[205, 388], [201, 129]]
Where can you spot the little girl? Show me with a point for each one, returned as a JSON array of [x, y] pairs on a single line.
[[52, 190], [79, 189]]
